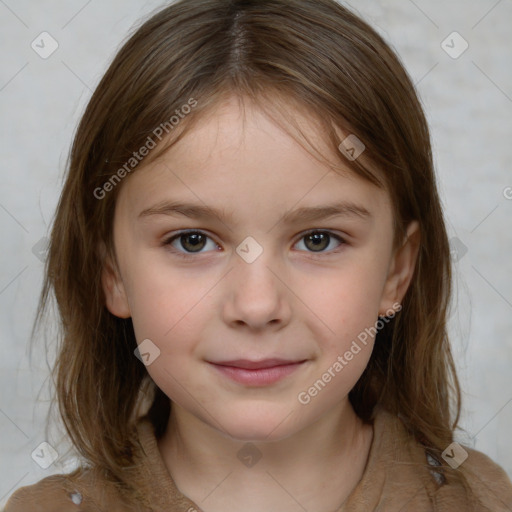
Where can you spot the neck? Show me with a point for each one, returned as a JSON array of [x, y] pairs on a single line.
[[201, 459]]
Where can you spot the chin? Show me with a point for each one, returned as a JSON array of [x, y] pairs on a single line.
[[258, 424]]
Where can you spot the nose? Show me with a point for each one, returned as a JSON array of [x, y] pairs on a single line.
[[257, 295]]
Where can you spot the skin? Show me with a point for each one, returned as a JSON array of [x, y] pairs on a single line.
[[291, 301]]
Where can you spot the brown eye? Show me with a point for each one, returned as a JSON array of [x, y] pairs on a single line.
[[192, 242], [187, 242], [318, 241]]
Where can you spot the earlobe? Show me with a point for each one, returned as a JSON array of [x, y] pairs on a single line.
[[401, 269], [113, 288]]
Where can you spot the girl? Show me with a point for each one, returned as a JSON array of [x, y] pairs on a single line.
[[253, 275]]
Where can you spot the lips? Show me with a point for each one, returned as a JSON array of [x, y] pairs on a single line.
[[247, 364], [257, 373]]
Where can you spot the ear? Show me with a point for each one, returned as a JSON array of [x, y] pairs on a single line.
[[113, 287], [401, 269]]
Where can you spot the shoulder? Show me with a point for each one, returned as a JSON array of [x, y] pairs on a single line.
[[51, 494], [484, 482], [80, 491], [488, 481]]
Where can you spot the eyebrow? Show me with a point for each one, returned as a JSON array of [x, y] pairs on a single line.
[[304, 214]]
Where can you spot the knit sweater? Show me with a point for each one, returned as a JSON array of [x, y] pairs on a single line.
[[398, 476]]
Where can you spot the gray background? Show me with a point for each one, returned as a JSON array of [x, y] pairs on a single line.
[[468, 101]]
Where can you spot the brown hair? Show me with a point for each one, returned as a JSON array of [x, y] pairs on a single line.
[[319, 57]]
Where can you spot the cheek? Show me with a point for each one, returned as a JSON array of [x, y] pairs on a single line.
[[173, 308], [172, 317], [162, 300], [349, 309], [349, 301]]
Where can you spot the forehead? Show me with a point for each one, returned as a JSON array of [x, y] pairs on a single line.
[[238, 160]]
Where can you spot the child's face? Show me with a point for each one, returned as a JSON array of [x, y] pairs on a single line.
[[298, 300]]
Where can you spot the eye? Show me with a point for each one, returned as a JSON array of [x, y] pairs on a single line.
[[194, 241], [317, 241]]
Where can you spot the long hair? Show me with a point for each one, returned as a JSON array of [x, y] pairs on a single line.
[[317, 56]]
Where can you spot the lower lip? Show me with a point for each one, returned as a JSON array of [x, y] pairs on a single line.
[[258, 377]]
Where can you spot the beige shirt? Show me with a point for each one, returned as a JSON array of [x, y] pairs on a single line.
[[398, 478]]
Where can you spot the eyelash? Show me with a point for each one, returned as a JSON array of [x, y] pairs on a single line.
[[168, 241]]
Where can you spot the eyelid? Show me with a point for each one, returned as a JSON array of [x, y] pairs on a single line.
[[331, 232]]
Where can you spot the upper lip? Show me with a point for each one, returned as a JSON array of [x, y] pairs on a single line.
[[253, 365]]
